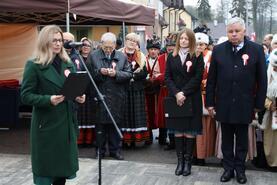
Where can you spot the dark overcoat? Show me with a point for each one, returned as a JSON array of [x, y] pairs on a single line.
[[54, 129], [179, 78], [113, 88], [235, 87]]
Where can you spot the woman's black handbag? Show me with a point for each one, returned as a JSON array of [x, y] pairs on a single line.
[[176, 115]]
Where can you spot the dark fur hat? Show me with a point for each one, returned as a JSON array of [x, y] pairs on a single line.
[[153, 43]]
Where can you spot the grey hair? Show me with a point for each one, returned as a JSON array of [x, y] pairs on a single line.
[[236, 20], [109, 36]]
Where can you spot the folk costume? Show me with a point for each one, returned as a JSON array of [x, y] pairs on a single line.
[[160, 116], [152, 86], [270, 118], [86, 114], [134, 126], [205, 143]]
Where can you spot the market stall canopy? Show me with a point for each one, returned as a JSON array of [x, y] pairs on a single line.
[[89, 12]]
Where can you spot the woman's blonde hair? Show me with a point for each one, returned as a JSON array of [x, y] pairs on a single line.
[[192, 42], [43, 53], [132, 36]]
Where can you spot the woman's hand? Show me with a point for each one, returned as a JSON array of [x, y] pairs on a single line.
[[211, 111], [180, 98], [137, 70], [81, 99], [56, 99], [272, 107]]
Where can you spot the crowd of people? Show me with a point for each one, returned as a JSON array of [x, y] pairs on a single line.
[[227, 95]]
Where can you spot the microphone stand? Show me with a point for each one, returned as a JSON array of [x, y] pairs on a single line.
[[102, 100]]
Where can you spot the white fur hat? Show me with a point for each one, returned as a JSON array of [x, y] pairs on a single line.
[[274, 39], [202, 37], [222, 39], [273, 58]]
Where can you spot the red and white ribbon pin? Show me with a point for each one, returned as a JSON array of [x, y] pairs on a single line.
[[245, 58], [188, 64], [77, 62], [66, 72], [114, 65]]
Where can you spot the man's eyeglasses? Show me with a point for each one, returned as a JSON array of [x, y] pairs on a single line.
[[55, 41], [108, 48]]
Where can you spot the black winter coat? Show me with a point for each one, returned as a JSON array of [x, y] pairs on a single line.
[[177, 79], [235, 89], [113, 88]]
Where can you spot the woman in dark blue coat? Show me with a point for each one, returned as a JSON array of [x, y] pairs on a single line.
[[183, 78]]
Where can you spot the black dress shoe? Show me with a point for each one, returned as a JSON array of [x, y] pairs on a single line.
[[227, 176], [241, 178], [117, 156]]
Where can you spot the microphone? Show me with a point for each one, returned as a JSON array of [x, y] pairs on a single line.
[[71, 44]]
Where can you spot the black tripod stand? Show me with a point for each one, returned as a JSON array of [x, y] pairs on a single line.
[[102, 100]]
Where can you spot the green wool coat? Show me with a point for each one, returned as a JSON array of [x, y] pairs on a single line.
[[54, 151]]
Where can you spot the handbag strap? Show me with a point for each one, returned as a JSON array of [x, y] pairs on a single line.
[[152, 69]]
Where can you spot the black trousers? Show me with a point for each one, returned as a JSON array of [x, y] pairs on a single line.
[[109, 134], [234, 160]]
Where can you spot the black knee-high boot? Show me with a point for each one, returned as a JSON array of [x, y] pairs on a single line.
[[162, 136], [190, 143], [180, 155], [60, 181]]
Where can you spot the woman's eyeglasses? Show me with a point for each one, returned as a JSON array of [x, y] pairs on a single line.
[[86, 45], [55, 41]]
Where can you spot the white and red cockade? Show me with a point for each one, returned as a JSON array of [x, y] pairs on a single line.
[[113, 65], [245, 58], [133, 64], [188, 64], [66, 72]]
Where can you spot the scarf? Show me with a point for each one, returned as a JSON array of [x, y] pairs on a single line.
[[135, 56], [183, 52]]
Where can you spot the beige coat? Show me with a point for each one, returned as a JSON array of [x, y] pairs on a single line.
[[270, 140]]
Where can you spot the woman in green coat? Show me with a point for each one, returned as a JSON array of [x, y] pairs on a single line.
[[54, 151]]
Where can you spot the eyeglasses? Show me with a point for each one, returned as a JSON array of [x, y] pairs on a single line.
[[108, 48], [133, 41], [87, 45], [55, 41]]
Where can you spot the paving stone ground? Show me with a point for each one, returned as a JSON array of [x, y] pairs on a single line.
[[16, 170]]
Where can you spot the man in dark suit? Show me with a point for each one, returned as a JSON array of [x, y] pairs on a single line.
[[236, 87]]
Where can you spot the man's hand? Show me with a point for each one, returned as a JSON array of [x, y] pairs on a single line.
[[104, 71], [211, 111], [111, 72]]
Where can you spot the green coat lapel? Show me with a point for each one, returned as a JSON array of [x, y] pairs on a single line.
[[50, 73]]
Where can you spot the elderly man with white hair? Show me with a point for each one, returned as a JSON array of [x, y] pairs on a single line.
[[236, 87], [111, 72]]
